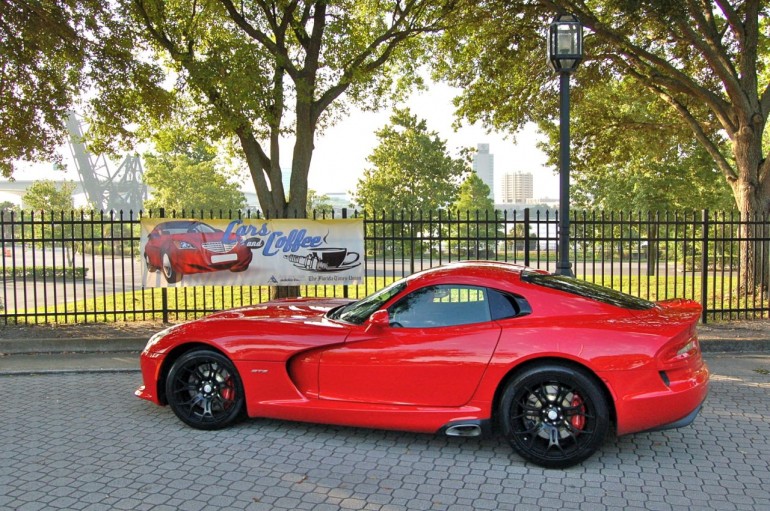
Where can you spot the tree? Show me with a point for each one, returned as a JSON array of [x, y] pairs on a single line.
[[185, 174], [473, 195], [517, 238], [45, 196], [477, 224], [250, 66], [707, 60], [7, 207], [50, 52], [53, 203], [411, 169], [412, 175], [622, 164], [319, 205], [257, 71]]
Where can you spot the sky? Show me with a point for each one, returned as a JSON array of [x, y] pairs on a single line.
[[341, 151]]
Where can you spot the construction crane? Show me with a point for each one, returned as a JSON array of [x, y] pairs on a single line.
[[122, 190]]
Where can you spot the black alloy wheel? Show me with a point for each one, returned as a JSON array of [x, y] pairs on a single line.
[[554, 416], [204, 390]]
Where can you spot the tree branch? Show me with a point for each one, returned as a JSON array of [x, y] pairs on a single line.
[[731, 15], [271, 46], [665, 72], [708, 41], [390, 39], [161, 37], [700, 134]]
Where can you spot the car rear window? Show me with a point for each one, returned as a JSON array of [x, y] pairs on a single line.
[[587, 290]]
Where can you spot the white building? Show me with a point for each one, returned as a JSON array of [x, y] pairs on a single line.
[[517, 188], [484, 166]]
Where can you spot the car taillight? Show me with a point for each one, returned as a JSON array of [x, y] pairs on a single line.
[[678, 353]]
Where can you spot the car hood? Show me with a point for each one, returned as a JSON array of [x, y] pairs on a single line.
[[272, 331], [300, 309]]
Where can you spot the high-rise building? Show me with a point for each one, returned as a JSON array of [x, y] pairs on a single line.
[[484, 166], [517, 187]]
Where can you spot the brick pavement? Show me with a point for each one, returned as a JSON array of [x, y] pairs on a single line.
[[83, 441]]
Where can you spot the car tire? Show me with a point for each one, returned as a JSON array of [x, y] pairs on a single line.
[[150, 267], [204, 390], [172, 276], [553, 415]]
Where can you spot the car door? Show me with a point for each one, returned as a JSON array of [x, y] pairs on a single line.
[[434, 352]]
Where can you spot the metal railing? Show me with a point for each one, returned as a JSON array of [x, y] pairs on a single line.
[[86, 267]]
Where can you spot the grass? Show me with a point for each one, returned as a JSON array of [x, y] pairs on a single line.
[[185, 303], [182, 303]]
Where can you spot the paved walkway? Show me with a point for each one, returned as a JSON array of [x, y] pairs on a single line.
[[82, 441], [75, 437]]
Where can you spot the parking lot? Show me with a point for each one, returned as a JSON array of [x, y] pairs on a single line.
[[83, 441]]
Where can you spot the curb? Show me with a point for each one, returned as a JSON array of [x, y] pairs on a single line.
[[44, 346], [734, 346], [35, 372]]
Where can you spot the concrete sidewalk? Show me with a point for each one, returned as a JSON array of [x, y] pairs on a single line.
[[119, 352]]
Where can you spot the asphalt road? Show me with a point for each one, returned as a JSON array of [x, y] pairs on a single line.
[[82, 441]]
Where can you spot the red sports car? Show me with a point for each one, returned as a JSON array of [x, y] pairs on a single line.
[[552, 362], [179, 247]]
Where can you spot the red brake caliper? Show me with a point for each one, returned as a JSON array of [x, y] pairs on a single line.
[[578, 420], [228, 393]]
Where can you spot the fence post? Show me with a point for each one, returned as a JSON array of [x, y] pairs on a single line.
[[345, 287], [164, 290], [704, 265], [526, 237]]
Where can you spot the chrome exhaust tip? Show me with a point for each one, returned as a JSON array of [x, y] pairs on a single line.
[[463, 430]]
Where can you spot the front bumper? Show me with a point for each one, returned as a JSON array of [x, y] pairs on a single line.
[[150, 366]]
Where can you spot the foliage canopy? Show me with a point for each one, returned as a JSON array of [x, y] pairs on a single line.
[[411, 169]]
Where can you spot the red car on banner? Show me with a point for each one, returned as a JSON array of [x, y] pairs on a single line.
[[553, 363], [180, 247]]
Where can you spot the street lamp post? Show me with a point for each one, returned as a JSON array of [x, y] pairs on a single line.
[[565, 51]]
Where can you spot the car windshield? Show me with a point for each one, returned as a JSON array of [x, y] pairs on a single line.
[[184, 227], [204, 228], [587, 290], [357, 312]]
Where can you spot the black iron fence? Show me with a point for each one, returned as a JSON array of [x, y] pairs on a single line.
[[86, 267]]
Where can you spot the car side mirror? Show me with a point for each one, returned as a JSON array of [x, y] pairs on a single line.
[[379, 318]]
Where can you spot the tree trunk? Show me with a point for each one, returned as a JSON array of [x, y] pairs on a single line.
[[754, 241], [752, 195], [271, 199]]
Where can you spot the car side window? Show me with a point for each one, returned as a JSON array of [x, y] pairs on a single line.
[[505, 305], [441, 306]]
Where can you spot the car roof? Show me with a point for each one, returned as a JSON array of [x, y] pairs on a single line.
[[178, 223], [470, 271]]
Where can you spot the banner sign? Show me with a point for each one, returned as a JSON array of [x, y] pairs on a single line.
[[283, 252]]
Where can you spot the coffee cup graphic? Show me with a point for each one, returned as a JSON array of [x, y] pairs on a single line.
[[334, 257], [325, 259]]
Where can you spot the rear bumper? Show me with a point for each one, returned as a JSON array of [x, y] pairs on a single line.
[[681, 423], [660, 401]]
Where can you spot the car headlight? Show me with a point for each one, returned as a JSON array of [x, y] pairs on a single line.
[[155, 339], [184, 245]]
